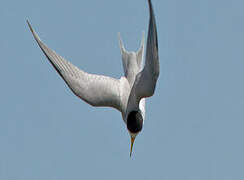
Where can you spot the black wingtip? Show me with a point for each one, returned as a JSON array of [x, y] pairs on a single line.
[[27, 21], [152, 22], [29, 26], [150, 6]]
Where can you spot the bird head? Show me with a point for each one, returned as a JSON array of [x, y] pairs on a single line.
[[134, 126]]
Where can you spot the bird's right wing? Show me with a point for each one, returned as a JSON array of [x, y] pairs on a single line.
[[96, 90]]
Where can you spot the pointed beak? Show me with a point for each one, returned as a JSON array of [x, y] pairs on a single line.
[[132, 139]]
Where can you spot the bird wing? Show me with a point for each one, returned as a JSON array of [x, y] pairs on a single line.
[[145, 82], [96, 90]]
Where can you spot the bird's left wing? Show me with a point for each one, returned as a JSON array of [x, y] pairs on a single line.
[[96, 90], [145, 82]]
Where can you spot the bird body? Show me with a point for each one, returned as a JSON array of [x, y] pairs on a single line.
[[126, 94], [132, 65]]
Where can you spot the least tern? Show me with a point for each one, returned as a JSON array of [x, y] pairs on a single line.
[[126, 94]]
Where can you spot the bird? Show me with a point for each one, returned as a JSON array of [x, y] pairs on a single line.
[[126, 94]]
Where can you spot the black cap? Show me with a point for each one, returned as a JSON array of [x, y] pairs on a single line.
[[134, 122]]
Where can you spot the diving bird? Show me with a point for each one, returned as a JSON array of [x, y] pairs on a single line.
[[126, 94]]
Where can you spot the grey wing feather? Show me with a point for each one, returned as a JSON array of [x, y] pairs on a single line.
[[96, 90], [145, 83]]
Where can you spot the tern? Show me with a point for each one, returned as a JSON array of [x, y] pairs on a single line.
[[126, 94]]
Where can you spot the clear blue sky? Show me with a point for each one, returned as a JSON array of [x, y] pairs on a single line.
[[194, 122]]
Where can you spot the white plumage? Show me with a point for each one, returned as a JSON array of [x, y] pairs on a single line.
[[126, 94]]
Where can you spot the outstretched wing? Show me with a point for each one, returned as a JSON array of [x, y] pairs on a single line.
[[96, 90], [145, 83]]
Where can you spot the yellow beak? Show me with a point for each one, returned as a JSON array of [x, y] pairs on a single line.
[[132, 139]]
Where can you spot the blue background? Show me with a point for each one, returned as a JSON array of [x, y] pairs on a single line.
[[194, 122]]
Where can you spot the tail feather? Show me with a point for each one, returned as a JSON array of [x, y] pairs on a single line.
[[140, 52], [126, 54]]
